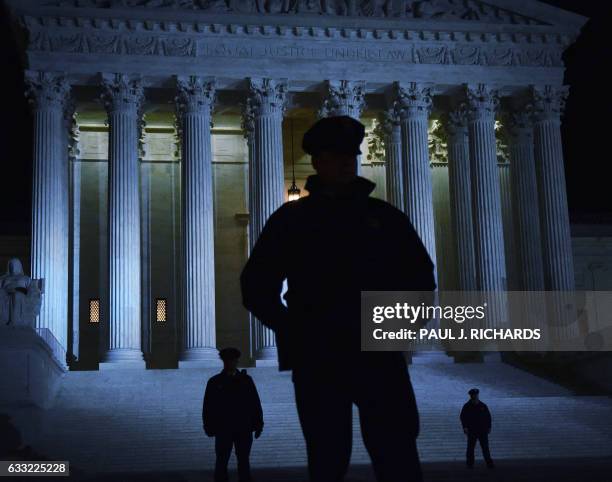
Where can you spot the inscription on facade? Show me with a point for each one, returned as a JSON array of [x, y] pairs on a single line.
[[415, 53], [213, 49]]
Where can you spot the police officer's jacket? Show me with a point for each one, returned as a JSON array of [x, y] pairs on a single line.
[[329, 246], [476, 417], [231, 404]]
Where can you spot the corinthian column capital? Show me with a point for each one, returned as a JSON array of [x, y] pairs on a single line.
[[389, 122], [120, 92], [267, 96], [482, 102], [548, 101], [414, 99], [195, 94], [46, 89], [344, 97], [518, 123], [455, 122]]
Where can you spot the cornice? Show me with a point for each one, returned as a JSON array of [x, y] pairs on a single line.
[[230, 43], [287, 26]]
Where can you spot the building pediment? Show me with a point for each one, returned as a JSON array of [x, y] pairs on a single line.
[[385, 40]]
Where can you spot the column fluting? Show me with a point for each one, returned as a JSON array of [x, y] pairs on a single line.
[[486, 196], [48, 93], [489, 253], [122, 97], [266, 105], [558, 262], [391, 127], [461, 196], [414, 102], [519, 126], [195, 102], [549, 102]]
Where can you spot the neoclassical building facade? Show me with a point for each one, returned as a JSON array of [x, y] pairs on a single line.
[[167, 131]]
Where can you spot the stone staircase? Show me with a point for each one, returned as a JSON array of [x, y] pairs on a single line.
[[136, 421]]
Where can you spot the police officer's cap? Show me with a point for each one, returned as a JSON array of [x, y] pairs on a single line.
[[341, 134], [229, 353], [474, 391]]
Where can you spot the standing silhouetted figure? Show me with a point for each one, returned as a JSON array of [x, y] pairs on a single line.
[[231, 413], [329, 246], [476, 421]]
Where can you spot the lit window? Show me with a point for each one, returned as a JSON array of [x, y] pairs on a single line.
[[94, 310], [160, 309]]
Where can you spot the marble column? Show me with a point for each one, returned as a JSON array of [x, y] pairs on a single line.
[[194, 107], [344, 97], [48, 93], [414, 103], [519, 126], [266, 102], [75, 234], [486, 196], [461, 196], [391, 128], [482, 103], [72, 222], [557, 249], [549, 102], [122, 96], [529, 277]]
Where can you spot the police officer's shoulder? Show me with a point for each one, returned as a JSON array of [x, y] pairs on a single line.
[[284, 213], [215, 378], [243, 373], [387, 210]]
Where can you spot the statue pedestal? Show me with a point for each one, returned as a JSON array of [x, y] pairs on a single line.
[[29, 371]]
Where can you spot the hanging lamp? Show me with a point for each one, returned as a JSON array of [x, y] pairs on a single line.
[[293, 191]]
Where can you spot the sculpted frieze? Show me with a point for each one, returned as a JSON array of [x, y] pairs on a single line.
[[462, 10], [430, 53]]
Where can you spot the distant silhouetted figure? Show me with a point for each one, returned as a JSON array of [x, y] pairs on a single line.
[[476, 421], [329, 246], [231, 413]]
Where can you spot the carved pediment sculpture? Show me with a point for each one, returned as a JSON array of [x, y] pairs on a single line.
[[456, 10], [20, 296]]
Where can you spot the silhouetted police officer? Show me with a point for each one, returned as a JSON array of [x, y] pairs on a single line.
[[476, 421], [329, 246], [230, 413]]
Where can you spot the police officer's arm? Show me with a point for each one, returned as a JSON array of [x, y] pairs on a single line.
[[463, 418], [417, 263], [488, 418], [262, 278], [208, 410]]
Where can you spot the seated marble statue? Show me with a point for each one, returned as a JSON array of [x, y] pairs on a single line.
[[20, 296]]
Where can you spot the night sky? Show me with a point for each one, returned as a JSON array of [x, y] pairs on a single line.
[[586, 127]]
